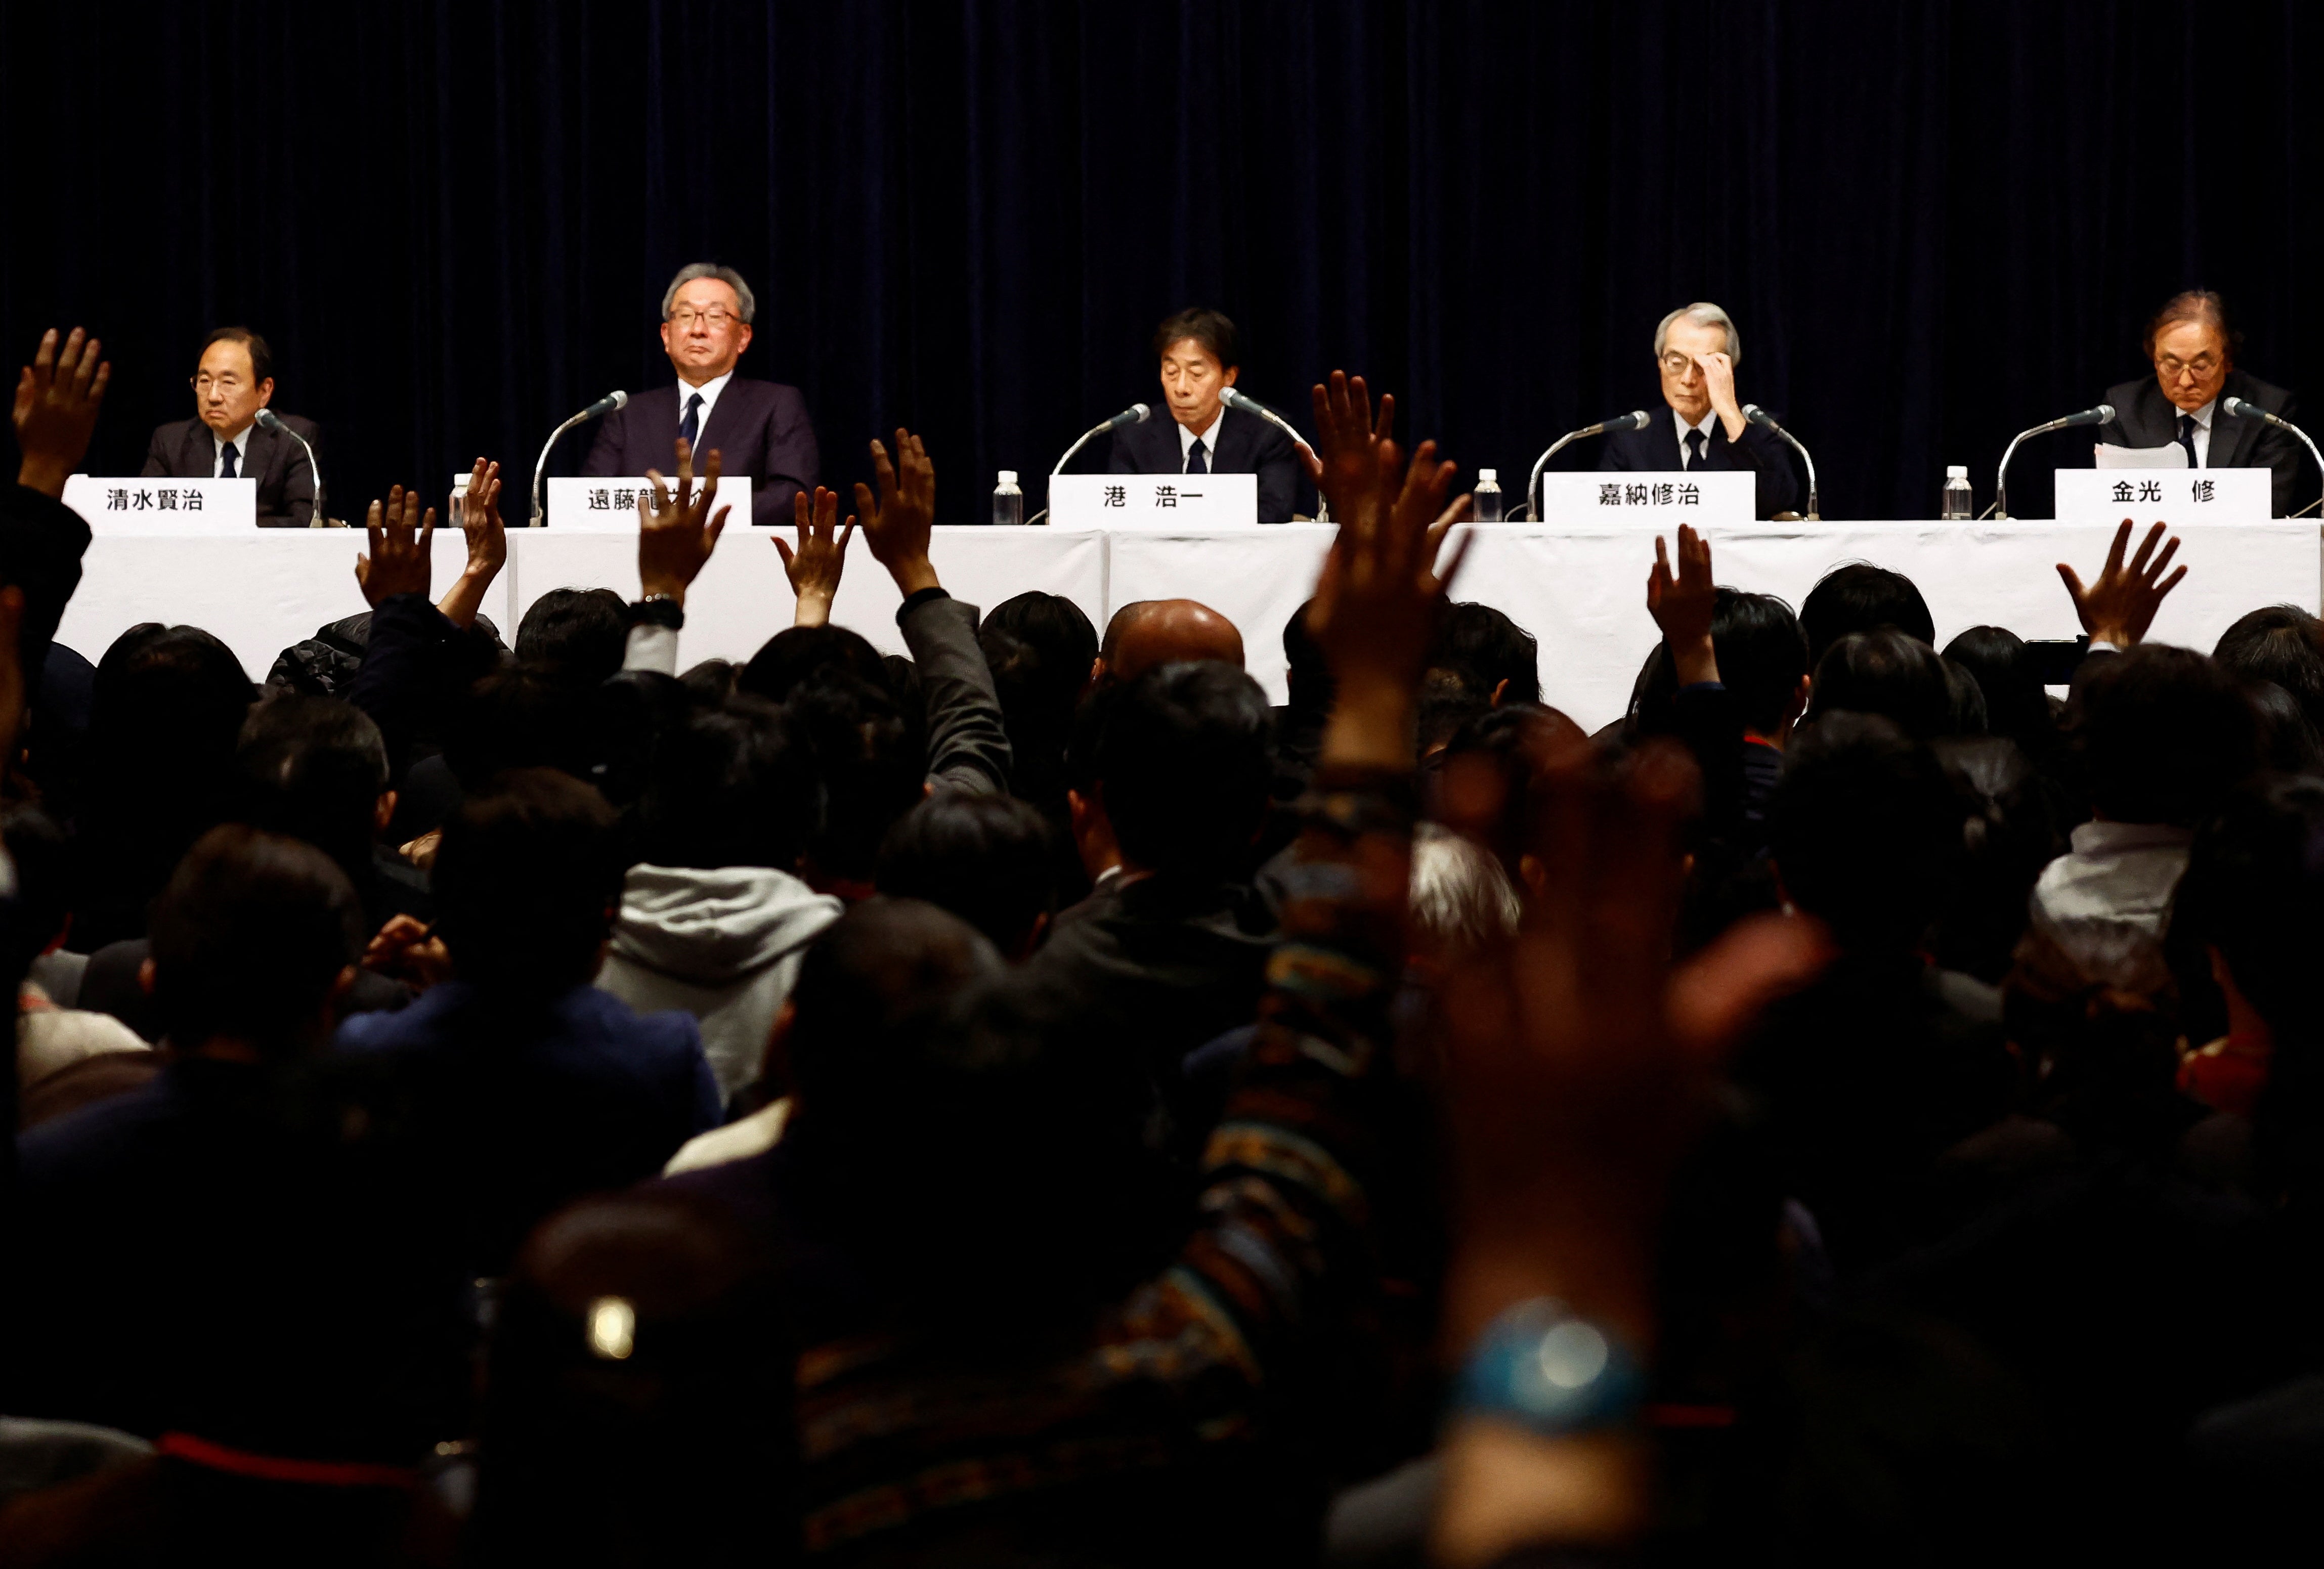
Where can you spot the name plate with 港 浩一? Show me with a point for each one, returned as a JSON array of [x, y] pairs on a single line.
[[610, 506], [2165, 496], [1153, 501], [1662, 498], [163, 506]]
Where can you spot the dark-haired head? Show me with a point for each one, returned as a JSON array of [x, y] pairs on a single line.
[[1183, 766], [1309, 675], [872, 756], [1210, 329], [987, 859], [1483, 785], [1888, 673], [43, 901], [527, 878], [1865, 831], [253, 939], [1503, 657], [730, 787], [316, 769], [2016, 704], [1039, 648], [2280, 643], [2163, 734], [795, 653], [2288, 741], [576, 635], [1862, 597], [1763, 660], [521, 716]]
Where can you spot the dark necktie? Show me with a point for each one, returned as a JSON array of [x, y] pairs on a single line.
[[226, 461], [1194, 464], [691, 426], [2187, 438], [1694, 446]]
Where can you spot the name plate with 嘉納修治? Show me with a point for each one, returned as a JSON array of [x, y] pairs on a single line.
[[1663, 499], [2165, 496], [163, 506], [610, 506], [1153, 501]]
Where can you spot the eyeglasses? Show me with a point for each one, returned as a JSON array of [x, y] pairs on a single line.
[[2173, 368], [714, 318], [205, 381], [1676, 363]]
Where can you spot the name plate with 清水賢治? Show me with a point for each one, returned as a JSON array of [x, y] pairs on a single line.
[[163, 506]]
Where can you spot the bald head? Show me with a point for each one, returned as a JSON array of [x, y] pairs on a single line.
[[1160, 631]]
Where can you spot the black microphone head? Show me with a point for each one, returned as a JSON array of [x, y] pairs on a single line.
[[268, 420], [1234, 399], [2235, 406], [2098, 416], [1636, 420], [1135, 414], [616, 399], [1758, 416]]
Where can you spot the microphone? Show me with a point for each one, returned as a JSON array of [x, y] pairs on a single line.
[[2243, 409], [1244, 403], [1758, 416], [268, 420], [1135, 414], [2098, 416], [1636, 420], [604, 405]]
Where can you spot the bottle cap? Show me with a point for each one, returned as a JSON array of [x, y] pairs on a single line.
[[1956, 471], [1009, 476], [1488, 476]]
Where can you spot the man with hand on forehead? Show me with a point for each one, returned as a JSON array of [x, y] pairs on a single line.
[[2193, 352], [1702, 426], [758, 429], [1200, 361]]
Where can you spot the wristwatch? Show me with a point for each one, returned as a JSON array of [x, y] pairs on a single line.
[[1545, 1369], [658, 610]]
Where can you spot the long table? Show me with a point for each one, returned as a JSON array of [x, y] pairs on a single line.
[[1581, 590]]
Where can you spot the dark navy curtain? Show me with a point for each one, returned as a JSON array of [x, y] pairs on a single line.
[[1934, 223]]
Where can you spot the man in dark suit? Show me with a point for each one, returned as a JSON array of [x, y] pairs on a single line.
[[1696, 349], [2193, 352], [1200, 360], [757, 428], [233, 381]]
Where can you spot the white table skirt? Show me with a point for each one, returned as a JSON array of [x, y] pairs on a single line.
[[1580, 590]]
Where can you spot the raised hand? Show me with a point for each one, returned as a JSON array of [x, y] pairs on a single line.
[[896, 521], [480, 520], [677, 534], [813, 569], [56, 400], [1345, 469], [401, 539], [1719, 381], [1379, 598], [1682, 604], [2120, 605]]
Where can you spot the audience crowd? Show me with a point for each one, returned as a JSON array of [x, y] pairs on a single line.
[[1031, 1103]]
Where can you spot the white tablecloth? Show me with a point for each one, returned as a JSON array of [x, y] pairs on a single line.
[[1581, 590]]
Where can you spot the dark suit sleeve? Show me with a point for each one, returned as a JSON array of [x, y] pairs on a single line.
[[405, 657], [157, 454], [968, 749], [792, 462], [41, 542], [1120, 459], [2280, 451], [293, 501], [1278, 466], [1763, 453], [1618, 454], [605, 459]]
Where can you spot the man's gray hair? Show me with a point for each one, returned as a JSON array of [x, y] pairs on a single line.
[[1460, 899], [1702, 313], [731, 279]]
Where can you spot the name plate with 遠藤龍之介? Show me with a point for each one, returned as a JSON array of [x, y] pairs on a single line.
[[1153, 501], [1663, 499], [2165, 496], [163, 506], [610, 506]]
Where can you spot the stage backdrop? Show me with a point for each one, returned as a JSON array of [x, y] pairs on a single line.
[[1934, 223]]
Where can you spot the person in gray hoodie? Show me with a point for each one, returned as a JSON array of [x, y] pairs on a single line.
[[713, 920]]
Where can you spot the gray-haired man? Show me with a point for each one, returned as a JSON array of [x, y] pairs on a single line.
[[1702, 426], [759, 427]]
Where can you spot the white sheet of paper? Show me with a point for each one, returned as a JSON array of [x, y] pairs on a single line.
[[2170, 455]]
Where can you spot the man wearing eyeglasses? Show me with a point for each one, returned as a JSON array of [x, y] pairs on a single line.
[[758, 427], [2193, 351], [232, 381], [1702, 426]]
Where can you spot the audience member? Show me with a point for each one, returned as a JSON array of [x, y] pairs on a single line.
[[986, 859], [1040, 648], [1885, 672], [2016, 704], [1862, 597], [1159, 632]]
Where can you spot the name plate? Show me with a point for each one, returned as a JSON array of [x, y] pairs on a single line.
[[163, 506], [1153, 501], [2167, 496], [1663, 498], [610, 506]]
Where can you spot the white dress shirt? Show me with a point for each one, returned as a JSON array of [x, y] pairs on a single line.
[[241, 445], [1209, 438], [2202, 430], [709, 391], [1710, 420]]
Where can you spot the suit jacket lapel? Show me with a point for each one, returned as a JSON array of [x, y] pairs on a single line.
[[201, 451], [2228, 433]]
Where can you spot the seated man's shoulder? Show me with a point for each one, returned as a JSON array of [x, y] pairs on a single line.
[[95, 1139]]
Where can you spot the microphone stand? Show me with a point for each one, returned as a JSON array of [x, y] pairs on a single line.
[[1533, 480], [1247, 404], [270, 419], [1758, 416], [2242, 409], [540, 465]]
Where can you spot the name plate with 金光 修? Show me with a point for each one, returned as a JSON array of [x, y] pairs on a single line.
[[1153, 501], [1663, 498], [610, 506], [2165, 496], [163, 506]]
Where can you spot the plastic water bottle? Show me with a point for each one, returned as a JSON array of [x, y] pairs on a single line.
[[1008, 501], [1960, 503], [1485, 503]]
